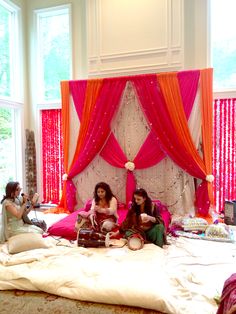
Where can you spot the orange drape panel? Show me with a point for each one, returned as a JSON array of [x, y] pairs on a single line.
[[206, 76], [171, 92], [92, 92]]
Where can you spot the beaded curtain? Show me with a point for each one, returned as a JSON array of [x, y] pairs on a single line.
[[164, 181], [52, 155], [224, 154]]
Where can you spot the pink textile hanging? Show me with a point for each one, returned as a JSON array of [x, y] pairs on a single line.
[[224, 151], [150, 152], [98, 131], [52, 153], [159, 117]]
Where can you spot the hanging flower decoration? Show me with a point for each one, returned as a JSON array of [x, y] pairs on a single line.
[[129, 165], [210, 178], [65, 176]]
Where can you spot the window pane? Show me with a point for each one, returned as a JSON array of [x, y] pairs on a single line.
[[223, 38], [4, 52], [55, 51], [7, 147]]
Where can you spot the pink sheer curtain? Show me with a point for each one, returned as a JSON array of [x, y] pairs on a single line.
[[224, 151], [52, 155]]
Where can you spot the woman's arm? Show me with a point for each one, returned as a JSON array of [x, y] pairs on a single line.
[[14, 211]]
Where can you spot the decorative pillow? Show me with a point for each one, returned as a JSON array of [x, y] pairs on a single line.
[[194, 224], [217, 231], [65, 227], [25, 242]]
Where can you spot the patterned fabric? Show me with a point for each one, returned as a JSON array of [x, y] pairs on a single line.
[[11, 225]]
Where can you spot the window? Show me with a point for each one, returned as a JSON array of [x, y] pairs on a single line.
[[223, 44], [54, 52], [54, 57], [10, 96]]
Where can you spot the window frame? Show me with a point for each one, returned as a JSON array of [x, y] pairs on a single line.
[[38, 100], [39, 13], [15, 100], [218, 93]]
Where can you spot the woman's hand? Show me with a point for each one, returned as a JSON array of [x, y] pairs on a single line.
[[92, 218], [100, 209], [25, 198], [146, 218]]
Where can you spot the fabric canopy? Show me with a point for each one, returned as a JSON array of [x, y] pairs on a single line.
[[166, 100]]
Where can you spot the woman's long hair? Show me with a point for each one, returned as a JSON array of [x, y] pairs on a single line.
[[9, 190], [105, 187], [148, 202]]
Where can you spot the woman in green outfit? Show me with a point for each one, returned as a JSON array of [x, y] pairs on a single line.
[[144, 218], [14, 207]]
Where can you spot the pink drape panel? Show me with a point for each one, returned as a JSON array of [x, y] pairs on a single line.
[[159, 118], [98, 129], [78, 90], [164, 125], [224, 151], [148, 155]]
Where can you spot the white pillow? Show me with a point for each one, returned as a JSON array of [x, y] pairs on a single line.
[[194, 224], [25, 242], [218, 231]]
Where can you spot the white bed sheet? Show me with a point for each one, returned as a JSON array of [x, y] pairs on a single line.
[[182, 278]]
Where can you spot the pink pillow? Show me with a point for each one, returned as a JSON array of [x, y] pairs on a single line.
[[65, 227]]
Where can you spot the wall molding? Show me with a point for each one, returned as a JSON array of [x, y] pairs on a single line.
[[169, 56]]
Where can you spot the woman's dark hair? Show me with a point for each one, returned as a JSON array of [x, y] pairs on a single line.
[[148, 202], [105, 187], [10, 189]]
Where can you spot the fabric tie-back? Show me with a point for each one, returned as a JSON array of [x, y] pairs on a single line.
[[166, 100]]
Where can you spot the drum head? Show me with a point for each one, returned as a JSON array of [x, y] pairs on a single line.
[[135, 242]]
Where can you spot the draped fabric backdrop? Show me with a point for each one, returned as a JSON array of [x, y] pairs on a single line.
[[163, 109]]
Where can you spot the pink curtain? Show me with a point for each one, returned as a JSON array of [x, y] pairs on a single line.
[[150, 152], [180, 150], [52, 155], [98, 130], [224, 151], [78, 90]]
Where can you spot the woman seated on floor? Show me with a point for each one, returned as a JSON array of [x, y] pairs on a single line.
[[144, 219], [14, 207], [102, 216]]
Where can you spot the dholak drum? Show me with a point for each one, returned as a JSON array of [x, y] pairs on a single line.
[[90, 238], [135, 242]]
